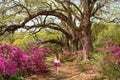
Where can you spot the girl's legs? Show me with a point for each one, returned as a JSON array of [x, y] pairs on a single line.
[[57, 70]]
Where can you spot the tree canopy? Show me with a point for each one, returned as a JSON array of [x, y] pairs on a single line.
[[72, 18]]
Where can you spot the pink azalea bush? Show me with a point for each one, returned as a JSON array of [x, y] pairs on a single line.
[[66, 56], [111, 63], [13, 60], [112, 50], [36, 63]]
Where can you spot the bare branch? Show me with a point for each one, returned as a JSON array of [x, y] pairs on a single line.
[[51, 26], [24, 8], [116, 20], [107, 21], [54, 41], [75, 7], [45, 20], [10, 28], [97, 8], [52, 13]]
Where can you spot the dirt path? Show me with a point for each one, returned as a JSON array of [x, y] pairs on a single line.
[[68, 71]]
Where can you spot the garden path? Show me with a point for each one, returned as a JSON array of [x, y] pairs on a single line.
[[68, 71]]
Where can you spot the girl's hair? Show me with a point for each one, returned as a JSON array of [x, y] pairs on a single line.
[[57, 55]]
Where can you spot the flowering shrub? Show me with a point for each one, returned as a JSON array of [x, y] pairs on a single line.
[[35, 61], [110, 68], [70, 57], [114, 50], [111, 63], [14, 61]]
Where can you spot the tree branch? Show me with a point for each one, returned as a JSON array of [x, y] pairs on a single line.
[[54, 41], [97, 8], [51, 26], [75, 7]]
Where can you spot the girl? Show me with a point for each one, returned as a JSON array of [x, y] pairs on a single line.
[[57, 63]]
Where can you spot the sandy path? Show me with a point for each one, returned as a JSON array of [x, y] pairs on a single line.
[[68, 71]]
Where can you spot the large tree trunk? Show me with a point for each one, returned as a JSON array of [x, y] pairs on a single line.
[[74, 45], [86, 44], [86, 39], [86, 33], [75, 40]]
